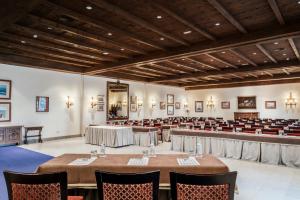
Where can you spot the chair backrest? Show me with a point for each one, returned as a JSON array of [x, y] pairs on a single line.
[[206, 187], [36, 186], [129, 186]]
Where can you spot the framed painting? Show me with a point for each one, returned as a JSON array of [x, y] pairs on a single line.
[[170, 98], [270, 104], [133, 99], [170, 110], [247, 102], [162, 105], [133, 107], [225, 104], [198, 106], [5, 89], [100, 99], [100, 107], [5, 111], [177, 105], [42, 104]]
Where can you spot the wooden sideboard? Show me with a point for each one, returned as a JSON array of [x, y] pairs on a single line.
[[10, 135], [246, 115]]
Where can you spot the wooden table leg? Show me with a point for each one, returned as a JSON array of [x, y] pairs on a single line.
[[40, 136]]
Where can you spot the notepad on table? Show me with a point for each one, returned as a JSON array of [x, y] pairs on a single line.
[[82, 161], [138, 161], [191, 161]]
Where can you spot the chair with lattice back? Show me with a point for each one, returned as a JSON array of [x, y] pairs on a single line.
[[29, 186], [129, 186], [202, 187]]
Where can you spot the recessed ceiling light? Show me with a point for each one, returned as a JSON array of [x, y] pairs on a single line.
[[245, 64], [182, 59], [239, 61], [254, 53], [109, 34], [186, 32], [223, 52], [23, 42], [89, 7], [298, 2], [105, 53], [265, 61], [158, 17], [276, 43], [284, 54], [287, 58], [49, 28], [75, 45], [162, 38], [211, 60], [122, 49], [35, 36], [217, 24]]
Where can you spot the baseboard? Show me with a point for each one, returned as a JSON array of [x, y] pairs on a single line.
[[35, 140]]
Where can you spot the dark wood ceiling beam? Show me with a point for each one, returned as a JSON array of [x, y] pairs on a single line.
[[104, 26], [92, 50], [135, 19], [292, 44], [159, 69], [239, 54], [163, 67], [139, 70], [246, 69], [185, 67], [123, 76], [227, 15], [76, 53], [221, 61], [286, 71], [155, 71], [84, 34], [274, 6], [266, 53], [161, 6], [202, 63], [38, 63], [15, 10], [234, 41]]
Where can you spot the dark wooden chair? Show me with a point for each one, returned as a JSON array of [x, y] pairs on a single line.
[[127, 186], [204, 187], [38, 186]]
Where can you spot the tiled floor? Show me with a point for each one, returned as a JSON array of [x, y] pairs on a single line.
[[255, 181]]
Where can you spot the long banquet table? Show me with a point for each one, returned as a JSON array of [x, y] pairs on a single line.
[[145, 136], [271, 149], [112, 136], [85, 175]]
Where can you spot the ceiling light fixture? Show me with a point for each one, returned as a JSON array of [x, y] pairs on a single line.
[[105, 53], [89, 7], [217, 24], [122, 49], [254, 53], [182, 59], [109, 34], [187, 32], [265, 61], [158, 17], [162, 38], [223, 52], [276, 43], [23, 42], [239, 61], [49, 28], [284, 54], [287, 58], [35, 36], [211, 60]]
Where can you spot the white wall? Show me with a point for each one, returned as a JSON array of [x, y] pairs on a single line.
[[277, 93]]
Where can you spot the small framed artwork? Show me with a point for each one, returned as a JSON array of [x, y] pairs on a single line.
[[177, 105], [198, 106], [225, 104], [270, 104], [170, 110], [170, 98], [133, 99], [100, 99], [100, 107], [5, 111], [42, 104], [5, 89], [133, 107], [248, 102], [162, 105]]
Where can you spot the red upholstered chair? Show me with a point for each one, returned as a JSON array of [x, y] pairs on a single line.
[[38, 186], [112, 186], [202, 187]]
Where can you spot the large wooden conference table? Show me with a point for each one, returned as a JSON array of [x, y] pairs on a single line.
[[271, 149], [85, 175]]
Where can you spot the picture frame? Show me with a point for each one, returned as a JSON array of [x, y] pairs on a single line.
[[170, 109], [225, 104], [100, 107], [162, 105], [133, 99], [177, 105], [170, 98], [5, 111], [133, 107], [42, 104], [5, 89], [270, 104], [198, 106], [246, 102], [100, 99]]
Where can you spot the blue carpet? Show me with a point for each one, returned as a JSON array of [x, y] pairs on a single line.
[[20, 160]]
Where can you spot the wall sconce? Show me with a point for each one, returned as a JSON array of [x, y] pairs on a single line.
[[153, 104], [69, 102], [140, 103], [185, 105], [124, 103], [93, 102], [291, 101], [210, 104]]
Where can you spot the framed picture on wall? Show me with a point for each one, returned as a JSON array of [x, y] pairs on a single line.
[[133, 107], [5, 89], [247, 102], [225, 104], [100, 99], [198, 106], [177, 105], [170, 98], [133, 99], [5, 111], [100, 107], [42, 104], [270, 104], [170, 109], [162, 105]]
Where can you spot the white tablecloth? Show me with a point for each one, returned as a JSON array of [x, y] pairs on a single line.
[[145, 138], [111, 136]]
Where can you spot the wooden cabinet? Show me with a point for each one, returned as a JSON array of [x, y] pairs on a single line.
[[246, 115], [10, 135]]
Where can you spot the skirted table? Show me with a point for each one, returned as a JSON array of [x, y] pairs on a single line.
[[271, 149], [145, 136], [166, 130], [111, 136]]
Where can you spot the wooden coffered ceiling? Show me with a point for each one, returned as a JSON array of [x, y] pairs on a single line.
[[186, 43]]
